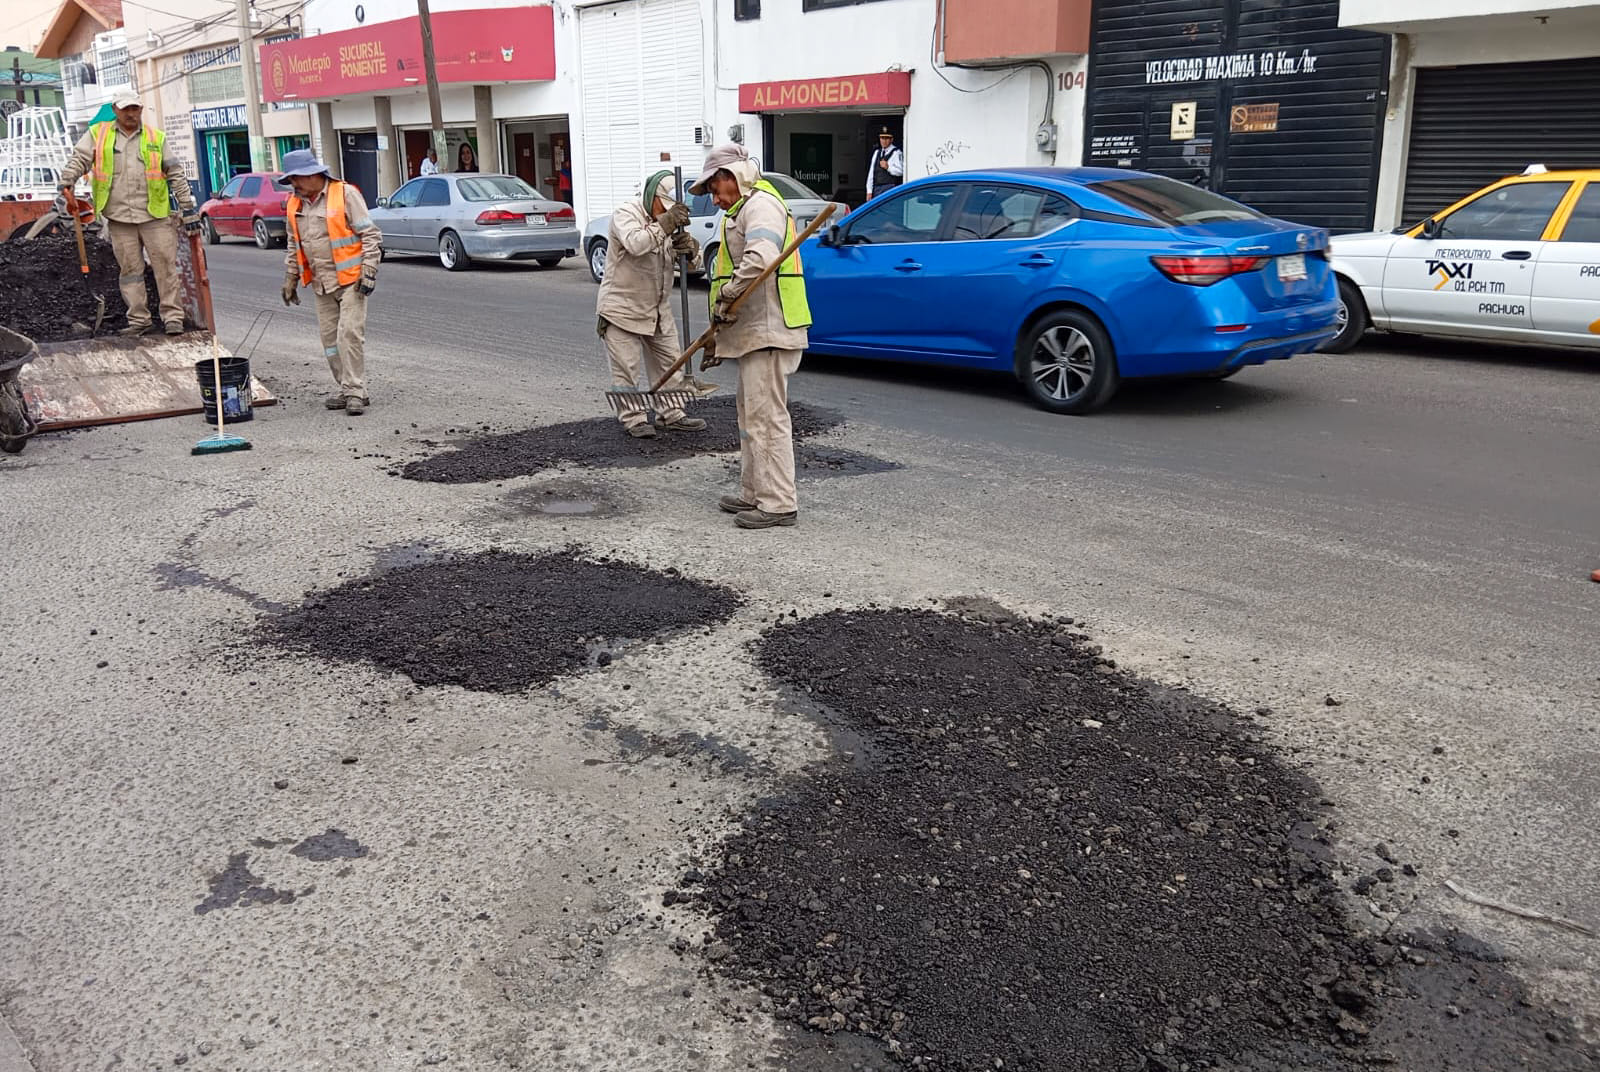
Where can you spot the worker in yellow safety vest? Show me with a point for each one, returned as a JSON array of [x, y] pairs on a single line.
[[335, 249], [133, 183], [766, 336]]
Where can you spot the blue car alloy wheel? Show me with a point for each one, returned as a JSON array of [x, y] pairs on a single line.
[[1066, 364]]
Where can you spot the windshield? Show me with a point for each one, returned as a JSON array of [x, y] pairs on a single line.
[[791, 188], [494, 188], [1173, 202]]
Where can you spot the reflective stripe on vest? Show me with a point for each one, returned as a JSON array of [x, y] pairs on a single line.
[[791, 276], [151, 143], [346, 260]]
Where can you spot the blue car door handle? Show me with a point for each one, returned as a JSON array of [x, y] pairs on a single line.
[[1038, 260], [908, 266]]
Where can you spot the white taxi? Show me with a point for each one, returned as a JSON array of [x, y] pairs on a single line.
[[1518, 261]]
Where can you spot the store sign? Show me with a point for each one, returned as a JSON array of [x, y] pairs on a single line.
[[1237, 66], [513, 44], [231, 115], [886, 89], [1183, 115], [1253, 118]]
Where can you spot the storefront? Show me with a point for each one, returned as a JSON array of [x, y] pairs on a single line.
[[1269, 103], [824, 131], [1477, 97], [222, 145], [496, 69]]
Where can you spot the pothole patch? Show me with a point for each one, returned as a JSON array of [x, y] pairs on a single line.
[[815, 461], [1050, 864], [598, 442], [497, 621], [563, 500]]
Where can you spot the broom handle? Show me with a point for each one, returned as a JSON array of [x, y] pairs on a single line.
[[711, 332], [216, 377]]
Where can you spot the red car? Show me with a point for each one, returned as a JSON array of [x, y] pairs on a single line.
[[252, 205]]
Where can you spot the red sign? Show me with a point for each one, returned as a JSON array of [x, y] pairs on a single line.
[[886, 89], [512, 44]]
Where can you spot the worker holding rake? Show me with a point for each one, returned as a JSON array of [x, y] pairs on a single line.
[[634, 311]]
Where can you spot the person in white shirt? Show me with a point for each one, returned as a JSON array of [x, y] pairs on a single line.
[[888, 167], [430, 163]]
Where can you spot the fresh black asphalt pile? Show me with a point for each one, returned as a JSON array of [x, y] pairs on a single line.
[[598, 442], [42, 293], [1031, 860], [497, 621]]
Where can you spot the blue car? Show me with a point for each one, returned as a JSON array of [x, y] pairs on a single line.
[[1075, 279]]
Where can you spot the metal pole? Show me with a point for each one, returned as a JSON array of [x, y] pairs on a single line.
[[435, 109], [252, 89]]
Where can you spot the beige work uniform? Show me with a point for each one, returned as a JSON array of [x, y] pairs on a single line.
[[768, 352], [341, 311], [636, 304], [133, 232]]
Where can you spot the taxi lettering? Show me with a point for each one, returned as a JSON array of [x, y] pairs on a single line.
[[1496, 309], [1591, 271]]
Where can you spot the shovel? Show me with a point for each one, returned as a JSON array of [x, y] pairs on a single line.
[[619, 398], [76, 210], [689, 380]]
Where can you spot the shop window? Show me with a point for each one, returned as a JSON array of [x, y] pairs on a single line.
[[216, 84], [918, 216], [1512, 213], [1584, 226], [744, 10]]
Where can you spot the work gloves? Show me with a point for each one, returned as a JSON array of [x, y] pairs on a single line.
[[291, 295], [673, 218], [369, 282], [708, 356], [722, 312], [684, 245], [191, 221]]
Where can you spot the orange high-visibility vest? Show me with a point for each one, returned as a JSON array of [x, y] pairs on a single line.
[[346, 243]]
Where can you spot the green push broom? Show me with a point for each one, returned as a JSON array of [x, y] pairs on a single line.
[[221, 441]]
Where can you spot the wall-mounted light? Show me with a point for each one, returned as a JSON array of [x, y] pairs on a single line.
[[153, 39]]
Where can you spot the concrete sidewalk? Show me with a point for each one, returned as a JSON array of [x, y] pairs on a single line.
[[12, 1059]]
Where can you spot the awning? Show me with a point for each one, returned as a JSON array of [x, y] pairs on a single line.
[[884, 90], [510, 44]]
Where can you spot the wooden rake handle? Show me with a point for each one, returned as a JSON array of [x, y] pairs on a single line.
[[711, 332]]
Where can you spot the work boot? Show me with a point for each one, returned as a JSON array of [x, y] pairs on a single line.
[[333, 402], [174, 327], [642, 431], [683, 424], [137, 329], [355, 406], [760, 519], [732, 504]]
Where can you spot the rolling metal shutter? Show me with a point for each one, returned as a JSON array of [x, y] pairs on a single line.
[[1320, 164], [1473, 125], [641, 93]]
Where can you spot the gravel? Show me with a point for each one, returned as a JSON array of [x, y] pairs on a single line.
[[42, 291], [497, 621], [598, 442]]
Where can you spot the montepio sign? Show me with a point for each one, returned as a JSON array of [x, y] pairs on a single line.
[[886, 89]]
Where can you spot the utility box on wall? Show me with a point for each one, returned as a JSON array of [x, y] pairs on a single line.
[[984, 31]]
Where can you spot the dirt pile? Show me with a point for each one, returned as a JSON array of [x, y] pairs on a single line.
[[42, 294], [1034, 861], [598, 442], [497, 621]]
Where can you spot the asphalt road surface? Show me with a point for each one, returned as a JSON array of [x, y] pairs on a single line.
[[1385, 554]]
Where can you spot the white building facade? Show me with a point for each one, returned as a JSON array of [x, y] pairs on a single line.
[[1480, 89]]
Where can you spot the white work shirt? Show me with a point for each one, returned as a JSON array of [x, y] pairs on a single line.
[[429, 167], [897, 166]]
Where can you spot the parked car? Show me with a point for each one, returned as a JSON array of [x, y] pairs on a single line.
[[1518, 261], [465, 217], [251, 205], [705, 220], [1073, 279]]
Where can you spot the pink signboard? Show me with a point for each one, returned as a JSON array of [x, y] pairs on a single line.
[[511, 44]]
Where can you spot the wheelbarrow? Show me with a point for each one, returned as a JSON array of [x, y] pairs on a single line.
[[16, 424]]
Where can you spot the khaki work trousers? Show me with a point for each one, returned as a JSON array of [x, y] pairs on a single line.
[[342, 320], [131, 242], [766, 435], [659, 352]]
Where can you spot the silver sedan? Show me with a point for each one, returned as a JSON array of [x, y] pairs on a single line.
[[465, 217]]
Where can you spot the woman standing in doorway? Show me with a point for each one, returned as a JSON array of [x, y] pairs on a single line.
[[466, 159]]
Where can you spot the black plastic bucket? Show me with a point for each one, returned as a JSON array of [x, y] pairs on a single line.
[[235, 389]]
